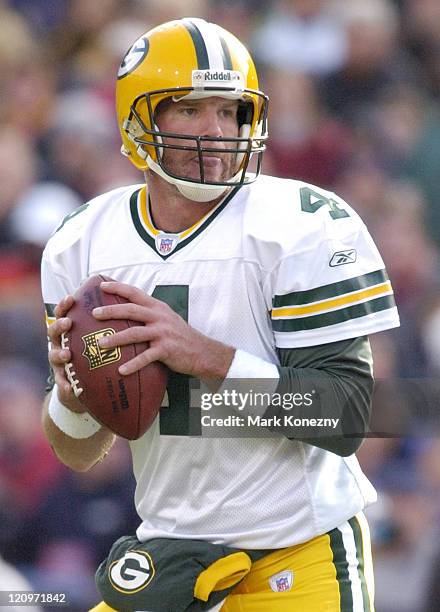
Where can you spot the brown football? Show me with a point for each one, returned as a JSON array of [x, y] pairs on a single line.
[[129, 404]]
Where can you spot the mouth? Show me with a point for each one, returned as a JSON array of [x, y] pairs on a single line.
[[214, 167], [209, 161]]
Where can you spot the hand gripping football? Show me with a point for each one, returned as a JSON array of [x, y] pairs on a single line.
[[129, 404]]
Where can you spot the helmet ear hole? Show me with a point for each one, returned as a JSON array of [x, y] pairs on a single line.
[[245, 112]]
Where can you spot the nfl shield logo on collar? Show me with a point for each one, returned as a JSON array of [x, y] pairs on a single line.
[[166, 243], [282, 581]]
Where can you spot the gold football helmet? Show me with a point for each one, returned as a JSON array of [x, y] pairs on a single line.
[[190, 58]]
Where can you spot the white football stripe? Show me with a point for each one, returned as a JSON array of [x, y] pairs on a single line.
[[353, 573], [212, 43], [368, 560]]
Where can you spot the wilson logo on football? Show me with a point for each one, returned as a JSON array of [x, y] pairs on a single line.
[[132, 573], [343, 257], [96, 355]]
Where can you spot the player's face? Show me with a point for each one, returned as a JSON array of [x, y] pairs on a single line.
[[207, 117]]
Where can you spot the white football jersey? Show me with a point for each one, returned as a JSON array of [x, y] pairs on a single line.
[[278, 263]]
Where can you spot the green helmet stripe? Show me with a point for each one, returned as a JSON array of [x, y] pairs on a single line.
[[227, 59], [199, 44]]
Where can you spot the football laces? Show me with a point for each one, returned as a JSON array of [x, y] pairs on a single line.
[[70, 372]]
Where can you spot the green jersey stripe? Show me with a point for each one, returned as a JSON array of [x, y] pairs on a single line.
[[341, 566], [137, 221], [333, 290], [336, 316], [50, 310], [354, 524]]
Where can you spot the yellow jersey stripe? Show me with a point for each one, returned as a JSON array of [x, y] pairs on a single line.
[[145, 213], [148, 223], [325, 305]]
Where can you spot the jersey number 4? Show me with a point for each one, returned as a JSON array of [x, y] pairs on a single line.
[[178, 419], [311, 201]]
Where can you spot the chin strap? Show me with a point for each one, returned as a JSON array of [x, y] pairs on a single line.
[[198, 192]]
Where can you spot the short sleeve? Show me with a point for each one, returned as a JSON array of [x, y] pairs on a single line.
[[333, 285], [53, 287]]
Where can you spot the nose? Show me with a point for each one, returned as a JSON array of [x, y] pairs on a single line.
[[211, 123]]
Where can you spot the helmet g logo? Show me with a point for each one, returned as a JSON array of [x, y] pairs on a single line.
[[134, 56], [132, 573]]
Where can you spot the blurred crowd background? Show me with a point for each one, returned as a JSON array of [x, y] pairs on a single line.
[[355, 91]]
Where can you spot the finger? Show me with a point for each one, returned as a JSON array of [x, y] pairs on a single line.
[[63, 374], [57, 328], [132, 335], [59, 357], [64, 388], [133, 294], [140, 361], [73, 380], [63, 306], [134, 312], [66, 394]]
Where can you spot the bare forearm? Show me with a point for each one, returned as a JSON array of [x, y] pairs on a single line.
[[213, 358], [78, 454]]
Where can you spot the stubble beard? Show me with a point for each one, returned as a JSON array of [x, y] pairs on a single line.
[[188, 167]]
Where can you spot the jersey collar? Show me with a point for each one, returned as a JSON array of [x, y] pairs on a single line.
[[166, 243]]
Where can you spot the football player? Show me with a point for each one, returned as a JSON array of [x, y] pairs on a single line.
[[231, 275]]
